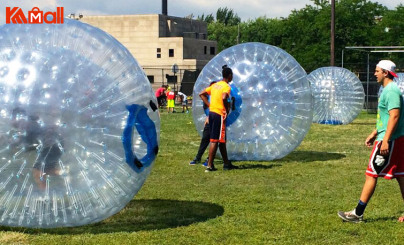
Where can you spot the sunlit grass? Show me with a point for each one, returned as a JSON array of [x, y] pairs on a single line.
[[293, 200]]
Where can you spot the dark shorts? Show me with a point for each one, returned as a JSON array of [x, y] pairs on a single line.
[[160, 100], [217, 125], [390, 166]]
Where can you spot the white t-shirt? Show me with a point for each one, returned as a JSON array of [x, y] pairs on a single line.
[[184, 96]]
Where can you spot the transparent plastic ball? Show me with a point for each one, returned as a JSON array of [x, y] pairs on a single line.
[[399, 80], [272, 109], [78, 122], [338, 95]]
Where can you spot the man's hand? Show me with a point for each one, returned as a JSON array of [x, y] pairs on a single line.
[[371, 139], [384, 148]]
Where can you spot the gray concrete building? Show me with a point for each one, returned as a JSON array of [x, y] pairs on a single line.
[[158, 42]]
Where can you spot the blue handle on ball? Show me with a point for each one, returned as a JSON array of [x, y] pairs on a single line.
[[147, 130]]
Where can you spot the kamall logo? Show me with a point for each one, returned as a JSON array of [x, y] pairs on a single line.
[[35, 16]]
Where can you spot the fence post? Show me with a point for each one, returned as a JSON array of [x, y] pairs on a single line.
[[367, 87]]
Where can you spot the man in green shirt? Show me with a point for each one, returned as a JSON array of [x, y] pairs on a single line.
[[387, 159]]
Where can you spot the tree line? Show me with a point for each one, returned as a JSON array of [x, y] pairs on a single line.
[[305, 33]]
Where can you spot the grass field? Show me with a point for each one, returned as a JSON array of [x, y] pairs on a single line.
[[293, 200]]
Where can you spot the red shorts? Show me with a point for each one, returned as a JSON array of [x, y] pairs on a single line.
[[390, 166]]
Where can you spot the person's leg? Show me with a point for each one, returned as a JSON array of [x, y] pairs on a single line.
[[367, 193], [223, 152], [172, 104], [212, 153], [368, 189], [214, 135], [170, 109], [400, 181], [356, 215], [370, 183], [204, 142], [227, 165]]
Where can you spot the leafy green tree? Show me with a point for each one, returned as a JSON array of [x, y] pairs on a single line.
[[310, 30], [226, 36], [306, 33], [208, 18], [263, 30], [227, 17], [355, 22], [389, 31]]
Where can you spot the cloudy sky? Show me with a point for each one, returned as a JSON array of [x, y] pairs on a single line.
[[246, 9]]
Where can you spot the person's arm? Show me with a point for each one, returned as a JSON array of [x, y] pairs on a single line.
[[226, 103], [394, 115], [204, 97], [371, 138]]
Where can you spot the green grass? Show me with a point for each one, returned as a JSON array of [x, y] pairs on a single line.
[[293, 200]]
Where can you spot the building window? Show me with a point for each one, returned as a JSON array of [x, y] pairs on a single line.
[[212, 50], [158, 53], [151, 79], [205, 50], [171, 53]]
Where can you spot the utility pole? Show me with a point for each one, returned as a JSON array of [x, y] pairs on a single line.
[[238, 33], [332, 62]]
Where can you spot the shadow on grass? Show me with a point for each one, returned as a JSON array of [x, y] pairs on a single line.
[[310, 156], [390, 218], [363, 123], [260, 166], [140, 215]]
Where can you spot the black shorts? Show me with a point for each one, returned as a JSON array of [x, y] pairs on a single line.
[[217, 125]]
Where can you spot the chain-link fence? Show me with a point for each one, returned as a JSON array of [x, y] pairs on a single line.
[[183, 80], [370, 56]]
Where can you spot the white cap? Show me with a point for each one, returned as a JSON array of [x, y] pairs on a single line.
[[388, 65]]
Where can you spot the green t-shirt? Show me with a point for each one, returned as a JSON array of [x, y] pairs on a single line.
[[389, 99]]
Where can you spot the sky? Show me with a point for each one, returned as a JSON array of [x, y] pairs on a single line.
[[245, 9]]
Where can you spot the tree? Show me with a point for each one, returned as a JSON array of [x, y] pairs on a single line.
[[263, 30], [208, 18], [226, 36], [227, 17], [389, 31], [305, 33]]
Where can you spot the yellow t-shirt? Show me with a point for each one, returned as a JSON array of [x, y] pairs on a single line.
[[216, 92]]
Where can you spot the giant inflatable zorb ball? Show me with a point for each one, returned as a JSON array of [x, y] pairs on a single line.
[[78, 122], [399, 80], [272, 109], [338, 95]]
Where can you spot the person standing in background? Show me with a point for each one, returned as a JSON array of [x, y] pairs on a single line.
[[170, 100]]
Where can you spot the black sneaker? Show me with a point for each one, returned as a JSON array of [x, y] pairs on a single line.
[[212, 169], [229, 166]]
